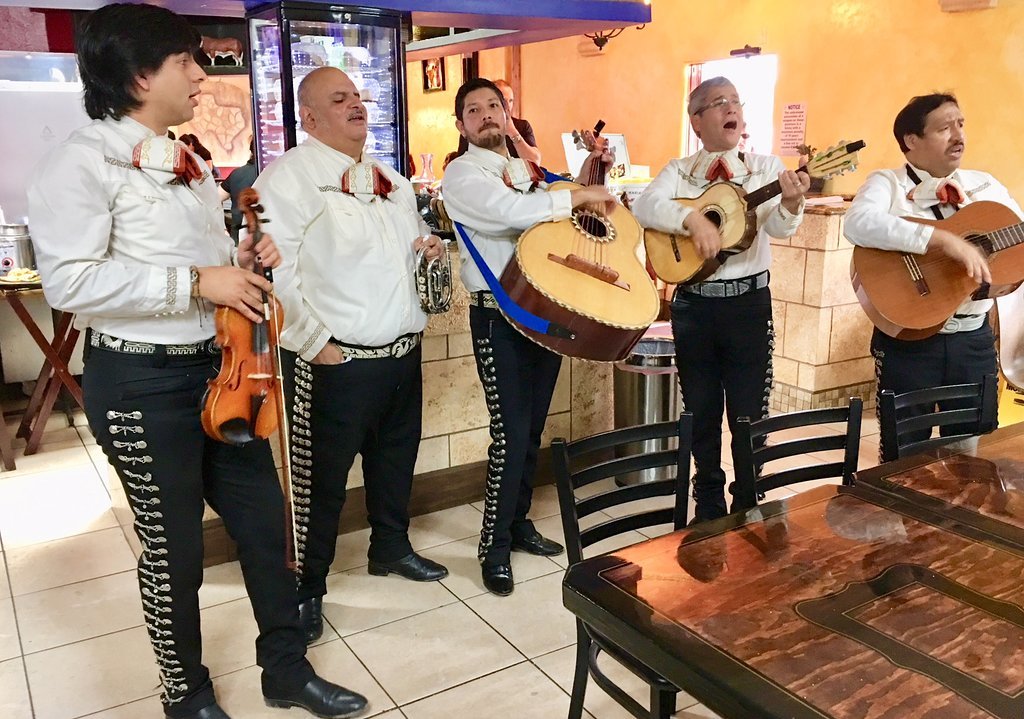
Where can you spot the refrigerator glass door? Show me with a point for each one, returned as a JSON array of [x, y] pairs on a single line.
[[367, 55]]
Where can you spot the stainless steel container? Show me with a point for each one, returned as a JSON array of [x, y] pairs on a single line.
[[645, 393], [15, 248]]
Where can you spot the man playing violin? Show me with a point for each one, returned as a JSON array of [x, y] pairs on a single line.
[[349, 232], [722, 327], [930, 185], [129, 235], [496, 198]]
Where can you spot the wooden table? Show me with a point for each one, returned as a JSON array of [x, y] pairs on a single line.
[[978, 482], [53, 375], [844, 602]]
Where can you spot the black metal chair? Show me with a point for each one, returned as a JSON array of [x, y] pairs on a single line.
[[612, 455], [757, 449], [906, 420]]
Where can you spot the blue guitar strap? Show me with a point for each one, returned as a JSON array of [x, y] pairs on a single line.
[[508, 306]]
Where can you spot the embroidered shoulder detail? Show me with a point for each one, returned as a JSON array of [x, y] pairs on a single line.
[[329, 188], [119, 163], [312, 340], [975, 190]]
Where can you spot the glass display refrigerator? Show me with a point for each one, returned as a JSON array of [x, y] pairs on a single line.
[[289, 40]]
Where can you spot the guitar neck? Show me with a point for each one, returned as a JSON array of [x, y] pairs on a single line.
[[1005, 237], [763, 194]]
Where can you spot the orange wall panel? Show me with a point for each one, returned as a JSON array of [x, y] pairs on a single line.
[[854, 62]]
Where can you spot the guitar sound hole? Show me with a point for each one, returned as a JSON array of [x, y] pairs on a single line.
[[594, 226], [714, 217]]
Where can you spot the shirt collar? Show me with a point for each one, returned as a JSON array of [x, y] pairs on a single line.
[[488, 158], [131, 130], [925, 175], [345, 161]]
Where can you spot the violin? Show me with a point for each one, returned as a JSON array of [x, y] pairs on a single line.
[[245, 401]]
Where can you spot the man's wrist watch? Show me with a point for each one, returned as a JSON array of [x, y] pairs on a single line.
[[516, 139], [193, 279]]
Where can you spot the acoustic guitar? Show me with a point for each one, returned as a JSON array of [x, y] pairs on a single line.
[[910, 297], [732, 210], [584, 273]]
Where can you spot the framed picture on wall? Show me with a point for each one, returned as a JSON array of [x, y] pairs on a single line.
[[433, 75]]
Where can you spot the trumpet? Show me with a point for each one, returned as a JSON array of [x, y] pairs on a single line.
[[434, 280]]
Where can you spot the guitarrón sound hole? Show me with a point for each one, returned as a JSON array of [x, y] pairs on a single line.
[[594, 226], [714, 217]]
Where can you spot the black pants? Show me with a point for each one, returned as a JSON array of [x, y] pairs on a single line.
[[519, 378], [144, 411], [724, 355], [370, 407], [958, 358]]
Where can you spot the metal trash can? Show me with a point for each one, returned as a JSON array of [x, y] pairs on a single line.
[[645, 393]]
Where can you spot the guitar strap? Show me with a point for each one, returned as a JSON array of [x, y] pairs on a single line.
[[916, 179], [982, 292], [508, 305]]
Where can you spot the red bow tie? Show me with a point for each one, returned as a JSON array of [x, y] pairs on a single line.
[[522, 175], [167, 155], [949, 194], [719, 170], [364, 180]]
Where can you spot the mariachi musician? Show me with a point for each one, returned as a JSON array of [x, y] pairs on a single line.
[[129, 235], [496, 200], [349, 232], [930, 185], [722, 327]]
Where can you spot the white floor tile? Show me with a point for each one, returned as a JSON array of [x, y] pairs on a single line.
[[420, 656], [10, 647], [51, 505], [357, 601], [521, 691], [83, 610], [87, 677], [532, 618], [54, 564], [448, 525], [14, 698]]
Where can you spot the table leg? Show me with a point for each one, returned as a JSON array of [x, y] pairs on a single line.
[[6, 451], [53, 375]]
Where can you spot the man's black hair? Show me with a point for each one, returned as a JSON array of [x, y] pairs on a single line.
[[118, 43], [911, 119], [477, 83]]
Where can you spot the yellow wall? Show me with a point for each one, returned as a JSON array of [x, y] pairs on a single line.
[[854, 62], [432, 114]]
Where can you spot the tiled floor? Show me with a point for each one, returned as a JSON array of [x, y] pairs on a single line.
[[72, 642]]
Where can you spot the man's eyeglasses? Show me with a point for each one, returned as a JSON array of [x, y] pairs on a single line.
[[720, 102]]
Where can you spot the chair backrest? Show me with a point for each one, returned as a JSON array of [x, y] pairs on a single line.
[[902, 418], [757, 449], [614, 454]]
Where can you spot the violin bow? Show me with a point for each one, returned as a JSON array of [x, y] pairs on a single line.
[[249, 199]]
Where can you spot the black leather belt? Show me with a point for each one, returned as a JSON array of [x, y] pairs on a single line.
[[727, 288]]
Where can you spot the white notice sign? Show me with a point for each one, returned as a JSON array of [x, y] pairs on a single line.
[[794, 126]]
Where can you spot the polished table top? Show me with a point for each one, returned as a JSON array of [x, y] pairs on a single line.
[[841, 602], [978, 481]]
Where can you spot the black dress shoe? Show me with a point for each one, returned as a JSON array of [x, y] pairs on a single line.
[[538, 545], [498, 579], [320, 698], [412, 566], [209, 712], [311, 615]]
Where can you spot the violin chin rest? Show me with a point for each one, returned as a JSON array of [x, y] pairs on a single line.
[[236, 431]]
